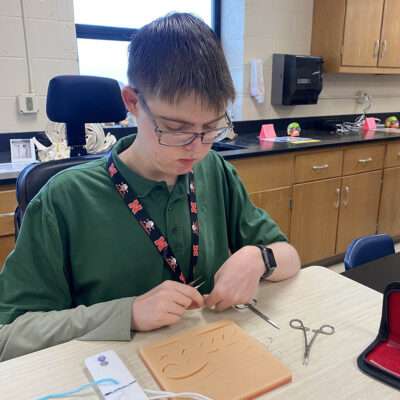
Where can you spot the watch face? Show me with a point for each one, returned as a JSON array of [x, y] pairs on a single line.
[[271, 258]]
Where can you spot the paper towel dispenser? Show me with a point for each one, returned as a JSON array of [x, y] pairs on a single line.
[[296, 79]]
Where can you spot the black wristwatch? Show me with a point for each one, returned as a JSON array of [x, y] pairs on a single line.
[[269, 260]]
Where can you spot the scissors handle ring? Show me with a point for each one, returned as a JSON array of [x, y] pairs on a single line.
[[326, 329], [297, 324]]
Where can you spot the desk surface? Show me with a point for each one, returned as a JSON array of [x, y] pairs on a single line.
[[377, 274], [315, 295]]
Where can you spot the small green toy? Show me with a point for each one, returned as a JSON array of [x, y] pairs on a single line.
[[392, 122], [293, 129]]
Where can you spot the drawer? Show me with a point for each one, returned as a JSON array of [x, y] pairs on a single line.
[[315, 166], [263, 173], [8, 203], [392, 155], [362, 159], [8, 200], [6, 224]]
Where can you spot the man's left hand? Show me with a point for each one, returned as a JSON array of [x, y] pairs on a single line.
[[237, 280]]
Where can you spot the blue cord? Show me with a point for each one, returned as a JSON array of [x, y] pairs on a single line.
[[107, 381]]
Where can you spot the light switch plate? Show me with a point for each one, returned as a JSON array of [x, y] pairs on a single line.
[[27, 103]]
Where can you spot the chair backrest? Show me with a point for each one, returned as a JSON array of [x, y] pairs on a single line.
[[79, 99], [73, 100], [368, 248], [34, 176]]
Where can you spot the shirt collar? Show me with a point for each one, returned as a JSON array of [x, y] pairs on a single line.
[[143, 186]]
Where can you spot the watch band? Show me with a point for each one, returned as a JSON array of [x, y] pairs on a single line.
[[269, 260]]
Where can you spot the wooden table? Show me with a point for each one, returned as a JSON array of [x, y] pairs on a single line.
[[377, 274], [315, 295]]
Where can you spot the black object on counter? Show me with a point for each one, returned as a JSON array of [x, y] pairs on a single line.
[[296, 79], [79, 99]]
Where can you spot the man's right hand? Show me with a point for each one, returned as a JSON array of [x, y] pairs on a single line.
[[164, 305]]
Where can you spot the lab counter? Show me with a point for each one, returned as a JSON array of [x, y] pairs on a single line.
[[248, 145]]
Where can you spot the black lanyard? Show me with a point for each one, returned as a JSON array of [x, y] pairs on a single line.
[[159, 240]]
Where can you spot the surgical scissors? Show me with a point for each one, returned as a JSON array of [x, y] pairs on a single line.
[[251, 306], [323, 329]]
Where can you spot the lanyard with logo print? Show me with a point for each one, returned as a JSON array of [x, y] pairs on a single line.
[[159, 240]]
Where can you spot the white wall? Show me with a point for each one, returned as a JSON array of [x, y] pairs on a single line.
[[250, 29], [50, 49], [259, 28]]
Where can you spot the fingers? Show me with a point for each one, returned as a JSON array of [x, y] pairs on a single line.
[[213, 298], [222, 298], [187, 291], [164, 305]]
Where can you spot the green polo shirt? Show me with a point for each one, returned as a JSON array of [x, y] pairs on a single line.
[[80, 245]]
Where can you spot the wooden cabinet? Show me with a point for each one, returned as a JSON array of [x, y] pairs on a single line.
[[268, 181], [363, 159], [318, 165], [389, 212], [361, 44], [359, 207], [7, 207], [335, 195], [390, 45], [357, 36], [276, 203], [314, 219], [328, 214]]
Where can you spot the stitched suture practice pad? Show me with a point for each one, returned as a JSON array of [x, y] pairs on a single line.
[[381, 359], [218, 360]]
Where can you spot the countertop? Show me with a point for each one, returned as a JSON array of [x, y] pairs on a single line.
[[10, 171], [253, 147]]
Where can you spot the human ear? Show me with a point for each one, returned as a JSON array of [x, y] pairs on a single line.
[[131, 100]]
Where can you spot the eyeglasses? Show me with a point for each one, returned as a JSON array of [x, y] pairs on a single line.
[[183, 138]]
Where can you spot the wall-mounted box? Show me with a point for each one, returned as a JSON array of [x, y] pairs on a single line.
[[295, 79]]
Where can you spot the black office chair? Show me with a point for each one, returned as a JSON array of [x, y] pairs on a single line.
[[74, 100]]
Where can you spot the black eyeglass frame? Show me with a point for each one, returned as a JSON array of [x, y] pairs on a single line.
[[221, 132]]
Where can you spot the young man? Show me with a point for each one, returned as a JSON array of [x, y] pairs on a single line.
[[110, 246]]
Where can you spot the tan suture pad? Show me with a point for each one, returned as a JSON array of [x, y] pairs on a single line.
[[218, 360]]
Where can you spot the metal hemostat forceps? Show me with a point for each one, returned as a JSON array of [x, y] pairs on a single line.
[[251, 306], [323, 329]]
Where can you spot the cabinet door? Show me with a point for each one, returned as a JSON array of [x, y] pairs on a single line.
[[277, 204], [389, 213], [362, 32], [359, 207], [390, 45], [314, 219]]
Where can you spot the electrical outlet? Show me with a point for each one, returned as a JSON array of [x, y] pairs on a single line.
[[27, 103]]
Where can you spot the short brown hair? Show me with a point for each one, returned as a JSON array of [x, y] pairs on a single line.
[[178, 55]]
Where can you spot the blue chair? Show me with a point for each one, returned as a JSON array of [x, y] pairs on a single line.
[[368, 248]]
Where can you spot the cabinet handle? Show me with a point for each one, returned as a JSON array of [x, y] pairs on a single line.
[[9, 214], [384, 47], [346, 197], [365, 160], [337, 202], [319, 167], [376, 48], [398, 154]]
